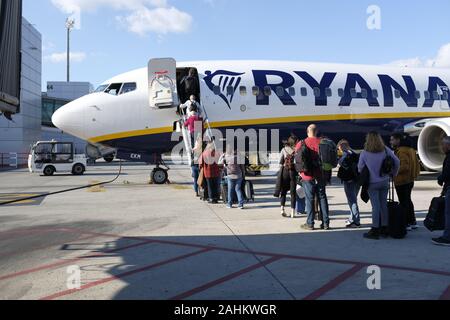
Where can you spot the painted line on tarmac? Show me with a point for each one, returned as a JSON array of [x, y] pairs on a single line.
[[333, 284], [37, 248], [227, 278], [283, 256], [70, 261], [446, 295], [125, 274]]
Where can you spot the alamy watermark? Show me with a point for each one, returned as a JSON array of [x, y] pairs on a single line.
[[374, 19], [74, 278], [374, 280]]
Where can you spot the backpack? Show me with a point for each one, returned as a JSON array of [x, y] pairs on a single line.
[[289, 161], [303, 159], [190, 84], [328, 154], [387, 166], [233, 168], [348, 171]]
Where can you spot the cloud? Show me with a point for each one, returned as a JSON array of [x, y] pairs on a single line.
[[140, 17], [60, 57], [441, 60]]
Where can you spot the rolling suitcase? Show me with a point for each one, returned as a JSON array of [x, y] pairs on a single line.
[[435, 220], [397, 221], [248, 190]]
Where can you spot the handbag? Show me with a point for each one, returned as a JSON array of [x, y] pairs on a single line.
[[201, 178]]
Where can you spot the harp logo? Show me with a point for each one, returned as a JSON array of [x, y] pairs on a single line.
[[224, 84]]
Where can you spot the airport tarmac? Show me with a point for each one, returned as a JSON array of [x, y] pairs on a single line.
[[132, 240]]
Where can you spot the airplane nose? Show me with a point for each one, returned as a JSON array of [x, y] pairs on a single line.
[[69, 118]]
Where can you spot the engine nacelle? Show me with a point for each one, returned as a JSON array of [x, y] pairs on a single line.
[[430, 143]]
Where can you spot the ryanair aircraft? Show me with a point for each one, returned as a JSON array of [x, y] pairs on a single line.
[[135, 112]]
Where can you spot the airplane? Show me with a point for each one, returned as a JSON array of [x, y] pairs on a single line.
[[135, 112]]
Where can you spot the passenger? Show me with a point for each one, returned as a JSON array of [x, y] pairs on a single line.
[[314, 181], [191, 106], [348, 173], [373, 157], [288, 177], [197, 153], [444, 181], [189, 85], [408, 173], [194, 122], [211, 170], [235, 169]]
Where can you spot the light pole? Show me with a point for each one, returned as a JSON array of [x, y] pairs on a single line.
[[70, 24]]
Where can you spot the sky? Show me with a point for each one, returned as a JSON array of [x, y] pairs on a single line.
[[116, 36]]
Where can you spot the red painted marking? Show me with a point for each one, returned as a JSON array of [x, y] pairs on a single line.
[[283, 256], [446, 295], [161, 72], [67, 262], [123, 275], [334, 283], [227, 278]]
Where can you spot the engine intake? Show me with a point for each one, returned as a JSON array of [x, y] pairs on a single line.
[[430, 143]]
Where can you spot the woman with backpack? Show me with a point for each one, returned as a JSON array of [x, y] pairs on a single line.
[[348, 173], [235, 171], [288, 177], [382, 164]]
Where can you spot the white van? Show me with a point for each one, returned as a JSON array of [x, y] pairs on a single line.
[[48, 157]]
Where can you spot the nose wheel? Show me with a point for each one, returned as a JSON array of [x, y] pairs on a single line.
[[159, 176]]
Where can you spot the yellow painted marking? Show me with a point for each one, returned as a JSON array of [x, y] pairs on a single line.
[[5, 197], [310, 118]]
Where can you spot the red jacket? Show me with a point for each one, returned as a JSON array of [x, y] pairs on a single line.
[[209, 163], [312, 144], [190, 123]]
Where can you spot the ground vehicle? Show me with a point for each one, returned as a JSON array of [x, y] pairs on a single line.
[[51, 156]]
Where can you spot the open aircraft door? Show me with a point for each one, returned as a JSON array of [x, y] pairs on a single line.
[[162, 83]]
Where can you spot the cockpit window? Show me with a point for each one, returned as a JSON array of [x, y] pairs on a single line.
[[102, 88], [114, 89], [128, 87]]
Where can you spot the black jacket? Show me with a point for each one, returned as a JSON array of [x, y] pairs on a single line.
[[364, 182], [444, 178]]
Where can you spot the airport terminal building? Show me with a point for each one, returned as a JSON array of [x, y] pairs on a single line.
[[32, 122], [17, 135]]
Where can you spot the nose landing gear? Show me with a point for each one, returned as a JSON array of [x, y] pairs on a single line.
[[159, 176]]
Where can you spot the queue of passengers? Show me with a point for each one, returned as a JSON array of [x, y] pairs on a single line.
[[303, 170]]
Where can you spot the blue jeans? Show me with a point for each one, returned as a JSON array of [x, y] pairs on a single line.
[[378, 193], [447, 215], [235, 186], [351, 189], [311, 188], [195, 174]]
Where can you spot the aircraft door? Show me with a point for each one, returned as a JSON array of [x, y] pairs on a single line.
[[162, 83]]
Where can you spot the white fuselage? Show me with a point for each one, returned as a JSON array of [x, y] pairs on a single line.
[[345, 99]]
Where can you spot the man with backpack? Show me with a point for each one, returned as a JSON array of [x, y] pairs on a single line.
[[189, 85], [348, 173], [308, 163], [408, 173]]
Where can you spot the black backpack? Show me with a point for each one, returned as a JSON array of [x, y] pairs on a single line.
[[348, 171], [387, 166], [303, 159], [190, 84], [289, 161]]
